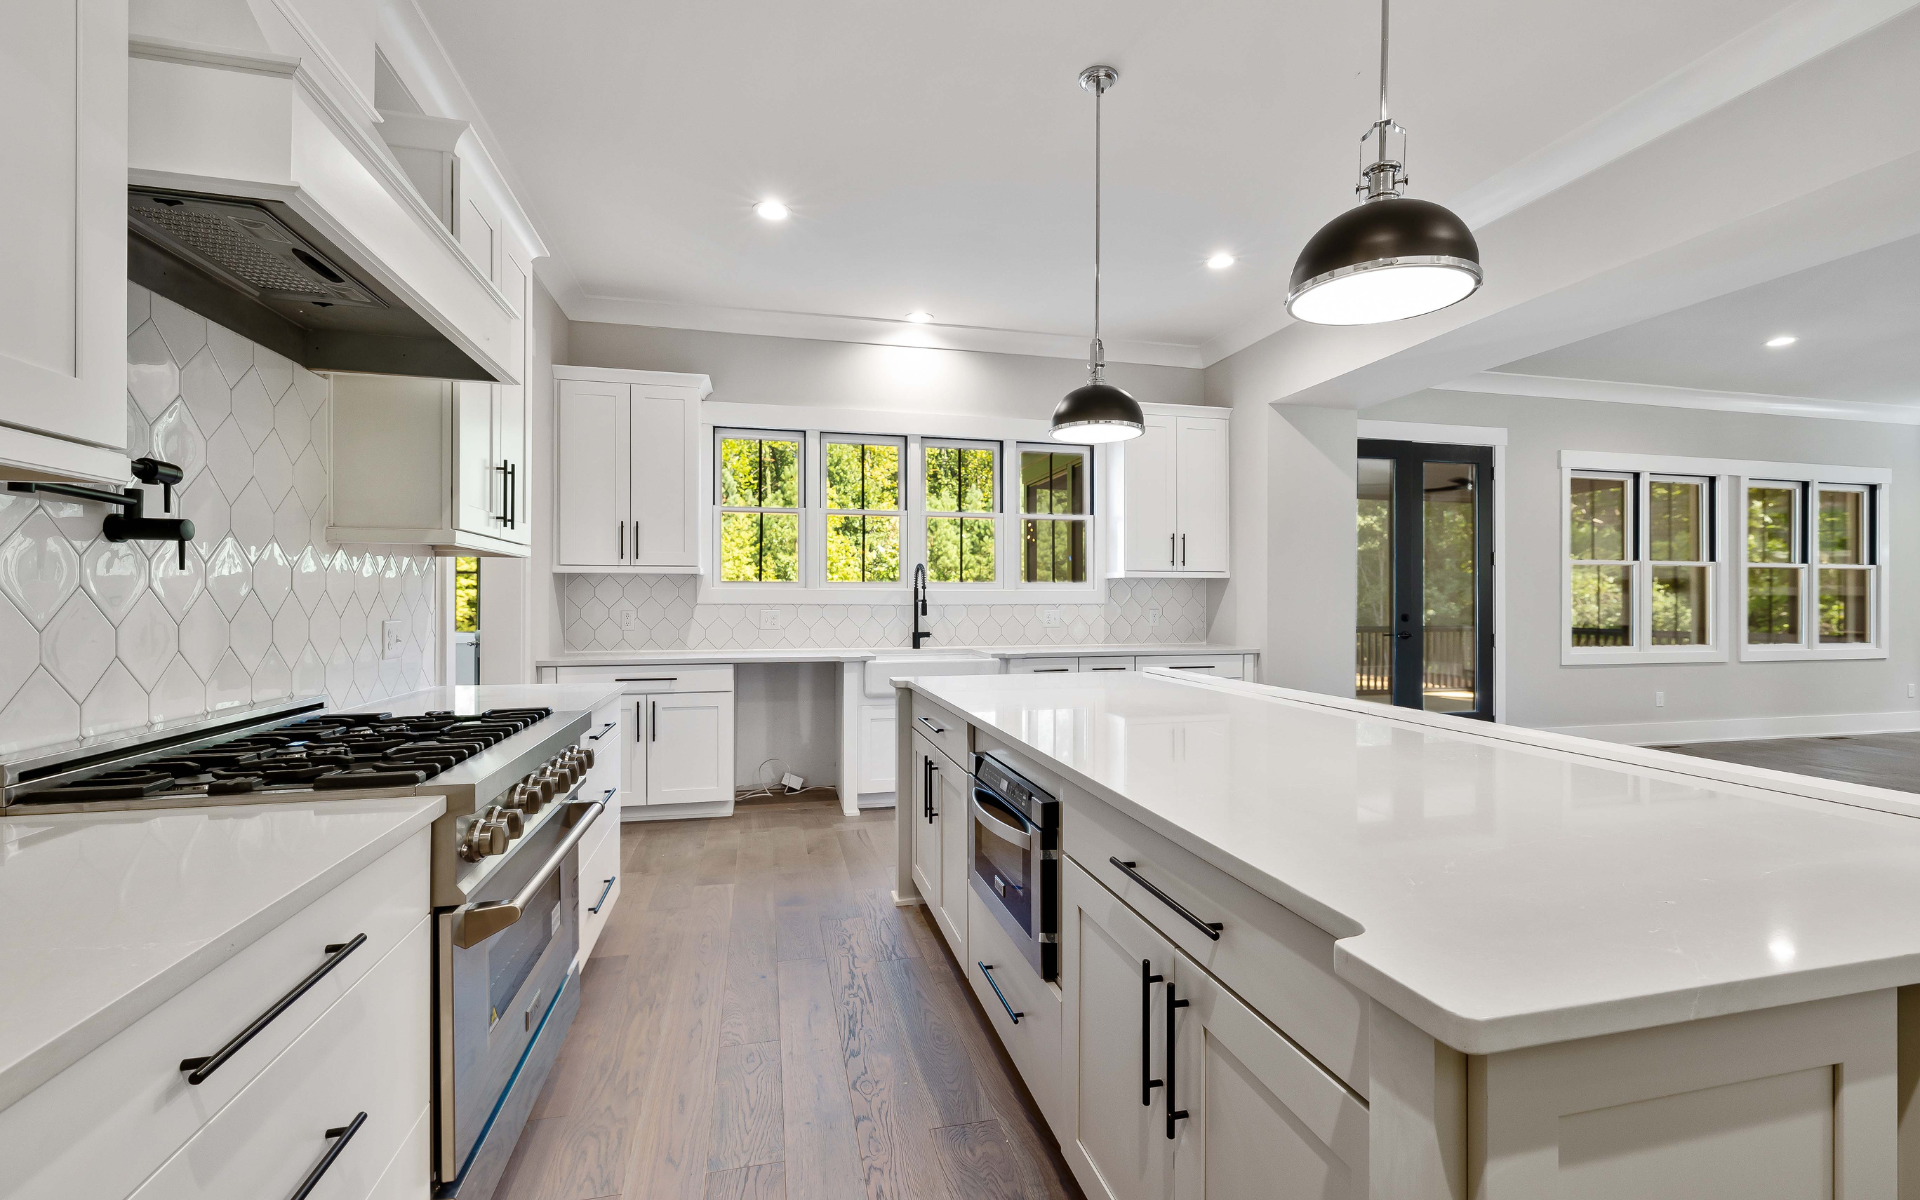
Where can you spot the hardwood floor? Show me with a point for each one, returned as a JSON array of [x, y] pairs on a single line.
[[759, 1022], [1888, 760]]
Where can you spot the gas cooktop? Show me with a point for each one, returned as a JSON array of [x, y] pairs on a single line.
[[329, 752]]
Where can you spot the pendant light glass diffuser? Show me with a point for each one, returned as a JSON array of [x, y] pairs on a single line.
[[1098, 411], [1391, 257]]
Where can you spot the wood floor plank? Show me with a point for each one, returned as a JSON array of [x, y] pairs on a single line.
[[862, 856], [893, 1118], [748, 1128], [940, 1055], [892, 938], [719, 859], [676, 867], [750, 1006], [981, 1162], [766, 1182], [796, 917], [822, 1162], [669, 1158], [590, 1043]]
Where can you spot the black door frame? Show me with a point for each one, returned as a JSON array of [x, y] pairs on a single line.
[[1407, 656]]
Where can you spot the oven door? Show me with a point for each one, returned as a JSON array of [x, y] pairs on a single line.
[[492, 994], [1009, 858]]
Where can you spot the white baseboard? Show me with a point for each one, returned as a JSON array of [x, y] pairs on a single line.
[[1740, 729], [876, 800], [676, 812]]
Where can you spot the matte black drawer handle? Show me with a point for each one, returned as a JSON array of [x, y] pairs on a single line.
[[1048, 670], [341, 1135], [1147, 1084], [928, 722], [1173, 1057], [594, 737], [198, 1069], [988, 972], [598, 904], [1210, 928]]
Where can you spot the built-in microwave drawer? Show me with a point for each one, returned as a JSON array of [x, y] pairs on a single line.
[[1278, 961], [941, 727], [639, 678], [106, 1122]]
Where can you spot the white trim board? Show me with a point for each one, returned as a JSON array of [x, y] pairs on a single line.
[[1743, 729], [1608, 391]]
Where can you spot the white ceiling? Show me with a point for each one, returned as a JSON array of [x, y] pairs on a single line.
[[1857, 320], [939, 156]]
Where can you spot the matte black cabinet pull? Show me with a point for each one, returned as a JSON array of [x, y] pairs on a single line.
[[1170, 538], [988, 972], [622, 543], [1183, 549], [594, 737], [198, 1069], [1147, 1084], [603, 896], [1173, 1057], [340, 1136], [513, 504], [1210, 928], [928, 722], [933, 774]]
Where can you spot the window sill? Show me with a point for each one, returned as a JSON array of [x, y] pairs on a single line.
[[944, 596], [1570, 657], [1810, 653]]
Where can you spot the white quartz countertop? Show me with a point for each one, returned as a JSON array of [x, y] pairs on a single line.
[[108, 915], [1497, 887], [471, 699], [617, 658]]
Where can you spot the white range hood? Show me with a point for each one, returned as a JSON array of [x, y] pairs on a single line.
[[261, 199]]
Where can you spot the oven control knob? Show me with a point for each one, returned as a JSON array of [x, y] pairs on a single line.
[[515, 825], [496, 834], [524, 799], [568, 773], [586, 757]]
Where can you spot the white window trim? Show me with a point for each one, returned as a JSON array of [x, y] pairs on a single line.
[[1007, 434], [1641, 471], [1729, 600]]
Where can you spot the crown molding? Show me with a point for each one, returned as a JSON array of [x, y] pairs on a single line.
[[826, 327], [1789, 39], [1607, 391]]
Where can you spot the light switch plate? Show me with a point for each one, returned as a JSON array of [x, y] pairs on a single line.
[[392, 638]]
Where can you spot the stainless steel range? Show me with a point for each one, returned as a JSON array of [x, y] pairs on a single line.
[[505, 867]]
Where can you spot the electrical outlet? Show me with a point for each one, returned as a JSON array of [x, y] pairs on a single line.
[[772, 618], [1153, 614], [1049, 616], [1659, 699], [629, 617], [392, 638]]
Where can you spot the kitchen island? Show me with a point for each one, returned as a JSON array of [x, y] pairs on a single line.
[[1368, 951]]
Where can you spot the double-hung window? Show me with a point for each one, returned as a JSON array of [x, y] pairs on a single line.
[[759, 495], [1640, 567], [962, 524], [1812, 575], [1055, 507], [865, 496]]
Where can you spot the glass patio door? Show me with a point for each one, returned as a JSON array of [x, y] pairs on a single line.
[[1423, 623]]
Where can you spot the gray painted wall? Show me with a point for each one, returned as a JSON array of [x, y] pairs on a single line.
[[1543, 693], [751, 369]]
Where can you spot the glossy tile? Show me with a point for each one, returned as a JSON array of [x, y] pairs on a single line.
[[251, 633], [209, 397], [38, 569], [77, 645], [115, 575], [272, 577], [273, 678], [252, 521], [116, 703], [185, 332], [229, 575], [147, 639], [178, 587], [41, 713], [230, 684], [152, 378], [203, 636], [179, 693], [19, 649], [253, 409], [272, 470], [231, 350], [230, 458], [178, 440]]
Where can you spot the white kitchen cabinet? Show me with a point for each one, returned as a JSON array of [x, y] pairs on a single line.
[[953, 791], [924, 802], [689, 747], [1169, 495], [1043, 665], [628, 470], [877, 749], [63, 312]]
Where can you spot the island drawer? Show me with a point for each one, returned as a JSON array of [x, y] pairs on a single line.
[[1278, 961], [640, 679], [1214, 666], [599, 878], [945, 730], [1032, 1041], [102, 1125], [370, 1053]]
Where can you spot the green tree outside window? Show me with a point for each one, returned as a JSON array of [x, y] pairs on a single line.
[[960, 479]]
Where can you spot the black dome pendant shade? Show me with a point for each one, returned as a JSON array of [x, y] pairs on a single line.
[[1097, 411], [1390, 258]]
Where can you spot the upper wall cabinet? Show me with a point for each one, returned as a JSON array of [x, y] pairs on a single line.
[[628, 470], [1168, 495], [63, 311]]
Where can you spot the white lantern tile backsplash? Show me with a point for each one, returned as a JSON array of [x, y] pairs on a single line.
[[98, 638]]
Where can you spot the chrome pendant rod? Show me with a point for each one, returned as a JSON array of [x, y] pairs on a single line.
[[1097, 80], [1383, 66]]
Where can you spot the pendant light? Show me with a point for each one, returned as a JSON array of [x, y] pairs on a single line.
[[1391, 257], [1099, 411]]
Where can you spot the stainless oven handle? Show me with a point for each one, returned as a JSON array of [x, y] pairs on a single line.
[[1019, 837], [478, 922]]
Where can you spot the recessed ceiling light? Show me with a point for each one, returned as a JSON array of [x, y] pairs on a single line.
[[1221, 261], [772, 210], [919, 318], [1785, 339]]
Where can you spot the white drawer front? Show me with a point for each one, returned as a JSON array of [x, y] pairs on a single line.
[[640, 678], [604, 739], [368, 1053], [1278, 961], [599, 879], [943, 729], [1217, 666], [102, 1125], [1107, 662], [1033, 1041], [1042, 666]]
